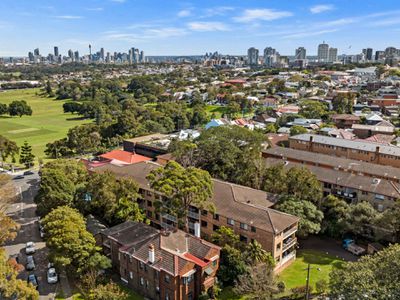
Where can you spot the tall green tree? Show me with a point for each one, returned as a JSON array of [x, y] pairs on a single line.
[[183, 188], [335, 211], [3, 109], [360, 218], [296, 129], [7, 148], [71, 245], [254, 254], [313, 109], [371, 277], [19, 108], [232, 265], [112, 199], [26, 157]]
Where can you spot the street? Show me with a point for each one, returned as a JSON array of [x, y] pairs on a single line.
[[24, 212]]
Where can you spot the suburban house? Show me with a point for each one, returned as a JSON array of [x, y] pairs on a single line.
[[167, 265], [364, 131], [352, 149], [345, 120], [349, 179], [247, 211]]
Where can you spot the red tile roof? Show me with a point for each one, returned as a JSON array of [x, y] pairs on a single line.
[[125, 156], [196, 260]]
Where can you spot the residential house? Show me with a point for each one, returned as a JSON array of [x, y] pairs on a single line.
[[344, 121]]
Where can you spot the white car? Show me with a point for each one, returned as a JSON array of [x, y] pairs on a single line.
[[52, 276], [30, 248]]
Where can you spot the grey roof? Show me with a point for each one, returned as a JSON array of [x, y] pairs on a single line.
[[358, 145], [338, 163]]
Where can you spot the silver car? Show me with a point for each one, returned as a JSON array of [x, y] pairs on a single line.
[[30, 263], [30, 248], [52, 276]]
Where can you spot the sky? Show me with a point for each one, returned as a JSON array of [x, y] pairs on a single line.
[[177, 27]]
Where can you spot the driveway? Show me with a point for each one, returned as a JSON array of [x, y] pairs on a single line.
[[24, 212]]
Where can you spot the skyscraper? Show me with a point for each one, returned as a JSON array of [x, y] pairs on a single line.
[[76, 55], [270, 57], [142, 57], [323, 51], [332, 55], [102, 54], [56, 51], [301, 53], [252, 56], [71, 54], [36, 52]]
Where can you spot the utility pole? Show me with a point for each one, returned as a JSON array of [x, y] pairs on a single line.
[[308, 282]]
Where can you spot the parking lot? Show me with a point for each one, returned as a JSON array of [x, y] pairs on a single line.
[[24, 212]]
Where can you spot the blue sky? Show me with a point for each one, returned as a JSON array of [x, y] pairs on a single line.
[[176, 27]]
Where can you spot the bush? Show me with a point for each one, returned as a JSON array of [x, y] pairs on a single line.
[[321, 286], [281, 286]]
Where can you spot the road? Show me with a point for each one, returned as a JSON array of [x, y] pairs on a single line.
[[24, 212]]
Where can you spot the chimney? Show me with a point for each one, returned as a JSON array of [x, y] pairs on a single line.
[[377, 154], [152, 254], [311, 143], [197, 229]]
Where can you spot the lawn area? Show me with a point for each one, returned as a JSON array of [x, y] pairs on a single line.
[[228, 294], [295, 275], [47, 123], [217, 110]]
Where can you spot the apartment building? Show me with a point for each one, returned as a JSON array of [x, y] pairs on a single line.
[[351, 180], [352, 149], [165, 265], [247, 211]]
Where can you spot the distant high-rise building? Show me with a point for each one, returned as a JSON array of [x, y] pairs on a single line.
[[36, 52], [301, 53], [367, 53], [252, 56], [379, 55], [323, 52], [56, 53], [270, 57], [391, 52], [142, 57], [76, 56], [31, 57], [90, 52], [71, 54], [102, 54], [108, 57], [332, 55]]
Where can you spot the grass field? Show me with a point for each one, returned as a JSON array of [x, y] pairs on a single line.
[[322, 264], [47, 123], [217, 110]]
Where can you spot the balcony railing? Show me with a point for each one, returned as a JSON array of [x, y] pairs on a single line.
[[191, 225], [169, 217], [289, 232], [288, 257], [291, 242], [167, 226], [193, 215]]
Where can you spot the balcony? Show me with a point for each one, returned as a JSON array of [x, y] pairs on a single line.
[[193, 215], [167, 226], [191, 225], [289, 232], [169, 218], [290, 242], [288, 257]]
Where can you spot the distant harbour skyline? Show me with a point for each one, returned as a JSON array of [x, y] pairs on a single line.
[[180, 28]]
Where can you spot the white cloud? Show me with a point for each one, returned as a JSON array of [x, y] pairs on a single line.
[[146, 34], [118, 1], [69, 17], [304, 34], [217, 11], [184, 13], [317, 9], [338, 22], [207, 26], [251, 15], [95, 9]]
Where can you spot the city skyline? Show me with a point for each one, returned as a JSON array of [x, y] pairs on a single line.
[[191, 28]]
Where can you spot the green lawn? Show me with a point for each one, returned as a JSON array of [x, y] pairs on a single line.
[[217, 110], [47, 123], [228, 294], [322, 264]]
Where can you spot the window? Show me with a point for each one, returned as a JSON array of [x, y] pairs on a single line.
[[253, 229], [215, 227], [167, 279], [148, 193], [130, 275], [379, 197], [141, 281], [230, 222], [119, 255], [141, 265], [149, 203], [149, 214], [190, 296], [214, 263], [158, 217], [147, 284], [204, 212], [243, 238], [364, 193], [166, 296], [216, 217], [203, 224], [130, 259], [244, 226]]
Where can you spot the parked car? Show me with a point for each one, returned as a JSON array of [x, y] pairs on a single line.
[[352, 247], [28, 173], [52, 276], [30, 263], [33, 280], [30, 248], [19, 177]]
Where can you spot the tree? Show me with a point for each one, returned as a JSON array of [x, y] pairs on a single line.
[[26, 157], [183, 188], [70, 244], [359, 219], [225, 236], [310, 216], [7, 148], [335, 211], [232, 265], [112, 199], [255, 254], [183, 151], [72, 107], [3, 109], [84, 139], [258, 283], [371, 277], [296, 129], [108, 291], [321, 286], [390, 220], [61, 181], [19, 108], [10, 286], [313, 109]]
